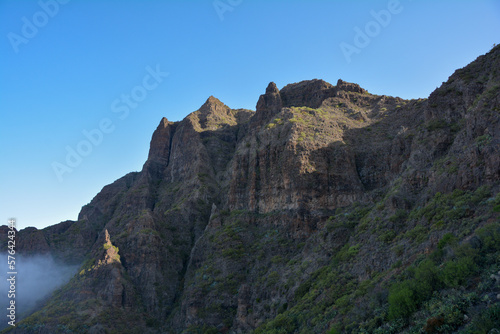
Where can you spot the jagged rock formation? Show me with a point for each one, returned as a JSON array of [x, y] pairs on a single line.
[[236, 213]]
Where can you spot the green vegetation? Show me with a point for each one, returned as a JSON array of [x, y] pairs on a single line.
[[418, 233], [349, 218], [315, 297], [234, 253], [433, 293], [446, 164], [436, 124], [149, 231], [450, 207], [387, 236], [399, 217], [274, 123], [447, 239], [483, 140], [447, 270]]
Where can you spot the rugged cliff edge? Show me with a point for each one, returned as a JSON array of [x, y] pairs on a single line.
[[316, 212]]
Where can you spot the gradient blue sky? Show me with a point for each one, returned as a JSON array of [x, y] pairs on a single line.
[[65, 79]]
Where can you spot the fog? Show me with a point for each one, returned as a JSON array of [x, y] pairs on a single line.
[[37, 276]]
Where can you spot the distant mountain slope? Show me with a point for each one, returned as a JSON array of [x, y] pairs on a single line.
[[328, 209]]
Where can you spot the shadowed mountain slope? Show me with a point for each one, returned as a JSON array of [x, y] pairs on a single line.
[[328, 209]]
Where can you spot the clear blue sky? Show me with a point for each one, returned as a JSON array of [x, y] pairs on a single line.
[[70, 72]]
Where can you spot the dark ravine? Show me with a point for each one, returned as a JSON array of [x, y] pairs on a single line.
[[299, 217]]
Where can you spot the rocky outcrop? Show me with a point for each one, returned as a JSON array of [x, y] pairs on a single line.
[[33, 242], [312, 93], [214, 114], [268, 105]]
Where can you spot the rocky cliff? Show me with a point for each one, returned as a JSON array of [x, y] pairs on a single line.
[[305, 215]]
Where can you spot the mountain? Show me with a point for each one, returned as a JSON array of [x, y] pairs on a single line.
[[328, 209]]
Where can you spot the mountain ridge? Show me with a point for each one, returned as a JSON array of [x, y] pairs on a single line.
[[238, 214]]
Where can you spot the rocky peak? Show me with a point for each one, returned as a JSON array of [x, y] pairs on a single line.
[[34, 241], [213, 105], [272, 88], [308, 93], [160, 141], [212, 115], [349, 87], [269, 104], [467, 89], [312, 93]]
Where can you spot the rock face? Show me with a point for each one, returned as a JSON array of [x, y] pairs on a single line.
[[235, 210], [268, 105]]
